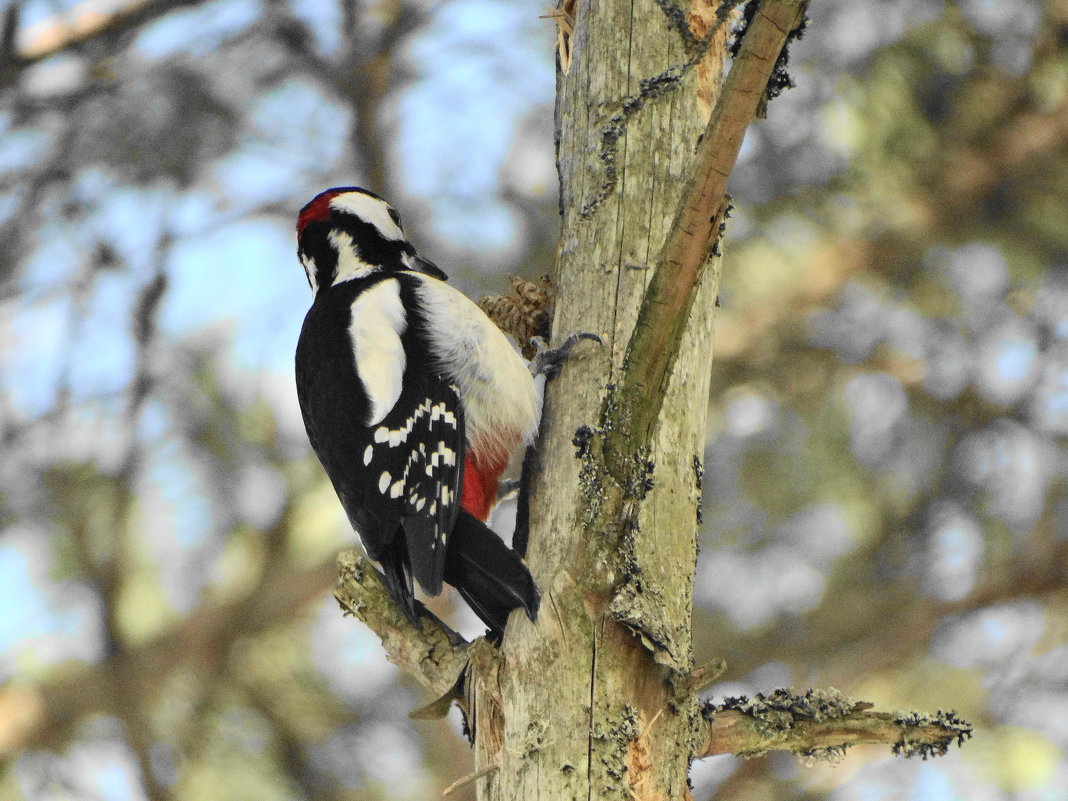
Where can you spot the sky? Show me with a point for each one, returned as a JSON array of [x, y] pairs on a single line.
[[235, 279]]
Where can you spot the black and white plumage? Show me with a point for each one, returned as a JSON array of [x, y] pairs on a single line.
[[413, 400]]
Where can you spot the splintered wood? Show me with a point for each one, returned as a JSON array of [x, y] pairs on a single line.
[[642, 784], [564, 17], [703, 18]]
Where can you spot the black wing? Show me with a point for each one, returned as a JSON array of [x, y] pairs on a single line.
[[415, 458], [399, 479]]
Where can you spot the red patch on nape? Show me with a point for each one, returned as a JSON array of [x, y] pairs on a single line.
[[318, 209], [478, 495]]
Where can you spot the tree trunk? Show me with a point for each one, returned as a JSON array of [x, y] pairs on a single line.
[[588, 702], [598, 699]]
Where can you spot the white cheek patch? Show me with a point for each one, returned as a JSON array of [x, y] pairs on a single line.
[[369, 209], [349, 264], [376, 326], [311, 271]]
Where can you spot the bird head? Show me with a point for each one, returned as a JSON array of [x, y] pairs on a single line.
[[348, 232]]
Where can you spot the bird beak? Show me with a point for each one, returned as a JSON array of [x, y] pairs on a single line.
[[427, 267]]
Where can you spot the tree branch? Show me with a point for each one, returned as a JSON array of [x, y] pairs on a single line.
[[431, 652], [822, 724], [82, 24], [45, 715], [665, 310]]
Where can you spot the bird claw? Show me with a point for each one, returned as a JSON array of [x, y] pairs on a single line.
[[548, 361], [507, 488]]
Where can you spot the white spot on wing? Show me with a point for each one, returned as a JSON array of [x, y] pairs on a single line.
[[376, 326], [397, 489], [368, 452], [383, 481]]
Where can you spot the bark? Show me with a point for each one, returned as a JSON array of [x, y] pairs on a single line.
[[587, 702], [598, 698]]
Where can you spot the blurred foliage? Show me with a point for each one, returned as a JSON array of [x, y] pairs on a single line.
[[885, 479]]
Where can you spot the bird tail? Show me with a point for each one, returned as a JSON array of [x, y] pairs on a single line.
[[488, 574], [398, 577]]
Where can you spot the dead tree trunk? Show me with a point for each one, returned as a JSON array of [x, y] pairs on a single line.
[[590, 702], [598, 698]]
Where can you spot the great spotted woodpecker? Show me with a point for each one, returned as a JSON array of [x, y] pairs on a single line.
[[413, 401]]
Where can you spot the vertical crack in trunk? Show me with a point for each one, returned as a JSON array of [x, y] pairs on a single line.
[[589, 730]]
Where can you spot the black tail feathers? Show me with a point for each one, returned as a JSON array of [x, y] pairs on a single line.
[[398, 577], [488, 574]]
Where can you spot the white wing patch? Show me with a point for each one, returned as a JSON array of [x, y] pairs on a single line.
[[376, 326], [369, 209]]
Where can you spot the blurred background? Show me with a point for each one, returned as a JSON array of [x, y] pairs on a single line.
[[885, 482]]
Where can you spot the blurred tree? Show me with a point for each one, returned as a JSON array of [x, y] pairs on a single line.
[[884, 506]]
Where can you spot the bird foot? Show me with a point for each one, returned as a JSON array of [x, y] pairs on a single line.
[[507, 488], [548, 361]]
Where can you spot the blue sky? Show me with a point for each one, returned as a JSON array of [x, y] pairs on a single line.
[[234, 278], [480, 70]]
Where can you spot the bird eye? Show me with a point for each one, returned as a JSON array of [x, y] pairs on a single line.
[[394, 216]]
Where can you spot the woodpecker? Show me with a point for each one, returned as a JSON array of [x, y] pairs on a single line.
[[414, 401]]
